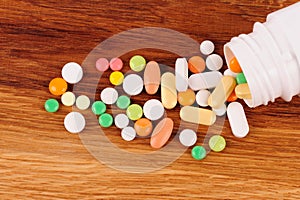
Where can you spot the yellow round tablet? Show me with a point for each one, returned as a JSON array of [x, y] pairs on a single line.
[[116, 78], [68, 99]]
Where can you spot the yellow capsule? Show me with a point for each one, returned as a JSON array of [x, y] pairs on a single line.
[[242, 91], [221, 93], [168, 90], [197, 115]]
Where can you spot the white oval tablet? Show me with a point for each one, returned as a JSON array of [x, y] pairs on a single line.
[[72, 72], [181, 74], [207, 47], [214, 62], [74, 122], [237, 119], [153, 109], [109, 96], [228, 72], [202, 97], [83, 102], [128, 133], [206, 80], [220, 111], [133, 84], [121, 121], [188, 137], [68, 99]]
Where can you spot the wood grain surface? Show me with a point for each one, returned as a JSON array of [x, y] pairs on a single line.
[[40, 160]]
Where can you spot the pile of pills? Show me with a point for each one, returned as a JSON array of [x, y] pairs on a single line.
[[196, 81]]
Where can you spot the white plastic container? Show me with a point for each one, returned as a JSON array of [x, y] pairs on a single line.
[[270, 56]]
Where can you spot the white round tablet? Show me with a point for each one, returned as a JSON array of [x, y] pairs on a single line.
[[121, 121], [68, 99], [188, 137], [109, 96], [202, 97], [207, 47], [72, 72], [153, 109], [74, 122], [128, 133], [83, 102], [220, 111], [133, 84], [214, 62], [228, 72]]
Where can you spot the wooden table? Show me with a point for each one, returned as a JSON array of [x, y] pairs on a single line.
[[40, 160]]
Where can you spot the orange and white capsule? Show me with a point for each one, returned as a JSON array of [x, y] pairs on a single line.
[[152, 77]]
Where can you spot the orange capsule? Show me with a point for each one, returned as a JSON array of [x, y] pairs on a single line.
[[232, 97], [235, 66], [143, 127], [161, 133], [58, 86]]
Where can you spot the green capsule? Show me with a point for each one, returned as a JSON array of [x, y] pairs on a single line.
[[240, 78], [51, 105]]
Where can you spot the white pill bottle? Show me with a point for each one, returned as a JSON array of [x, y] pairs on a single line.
[[270, 56]]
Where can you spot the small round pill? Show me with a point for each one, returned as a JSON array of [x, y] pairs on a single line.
[[74, 122], [196, 64], [186, 98], [133, 84], [116, 64], [220, 111], [202, 97], [58, 86], [121, 121], [234, 65], [116, 78], [72, 72], [198, 152], [228, 72], [123, 102], [51, 105], [68, 99], [217, 143], [207, 47], [128, 134], [102, 64], [109, 96], [98, 108], [83, 102], [214, 62], [187, 137], [134, 112], [143, 127], [153, 109], [106, 120], [137, 63]]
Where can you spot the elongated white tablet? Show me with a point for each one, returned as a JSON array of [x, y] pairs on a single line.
[[72, 72], [128, 133], [181, 74], [237, 119], [153, 109], [206, 80], [109, 96], [133, 84], [188, 137], [74, 122], [121, 121]]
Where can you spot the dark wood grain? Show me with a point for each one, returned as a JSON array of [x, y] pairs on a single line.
[[40, 160]]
